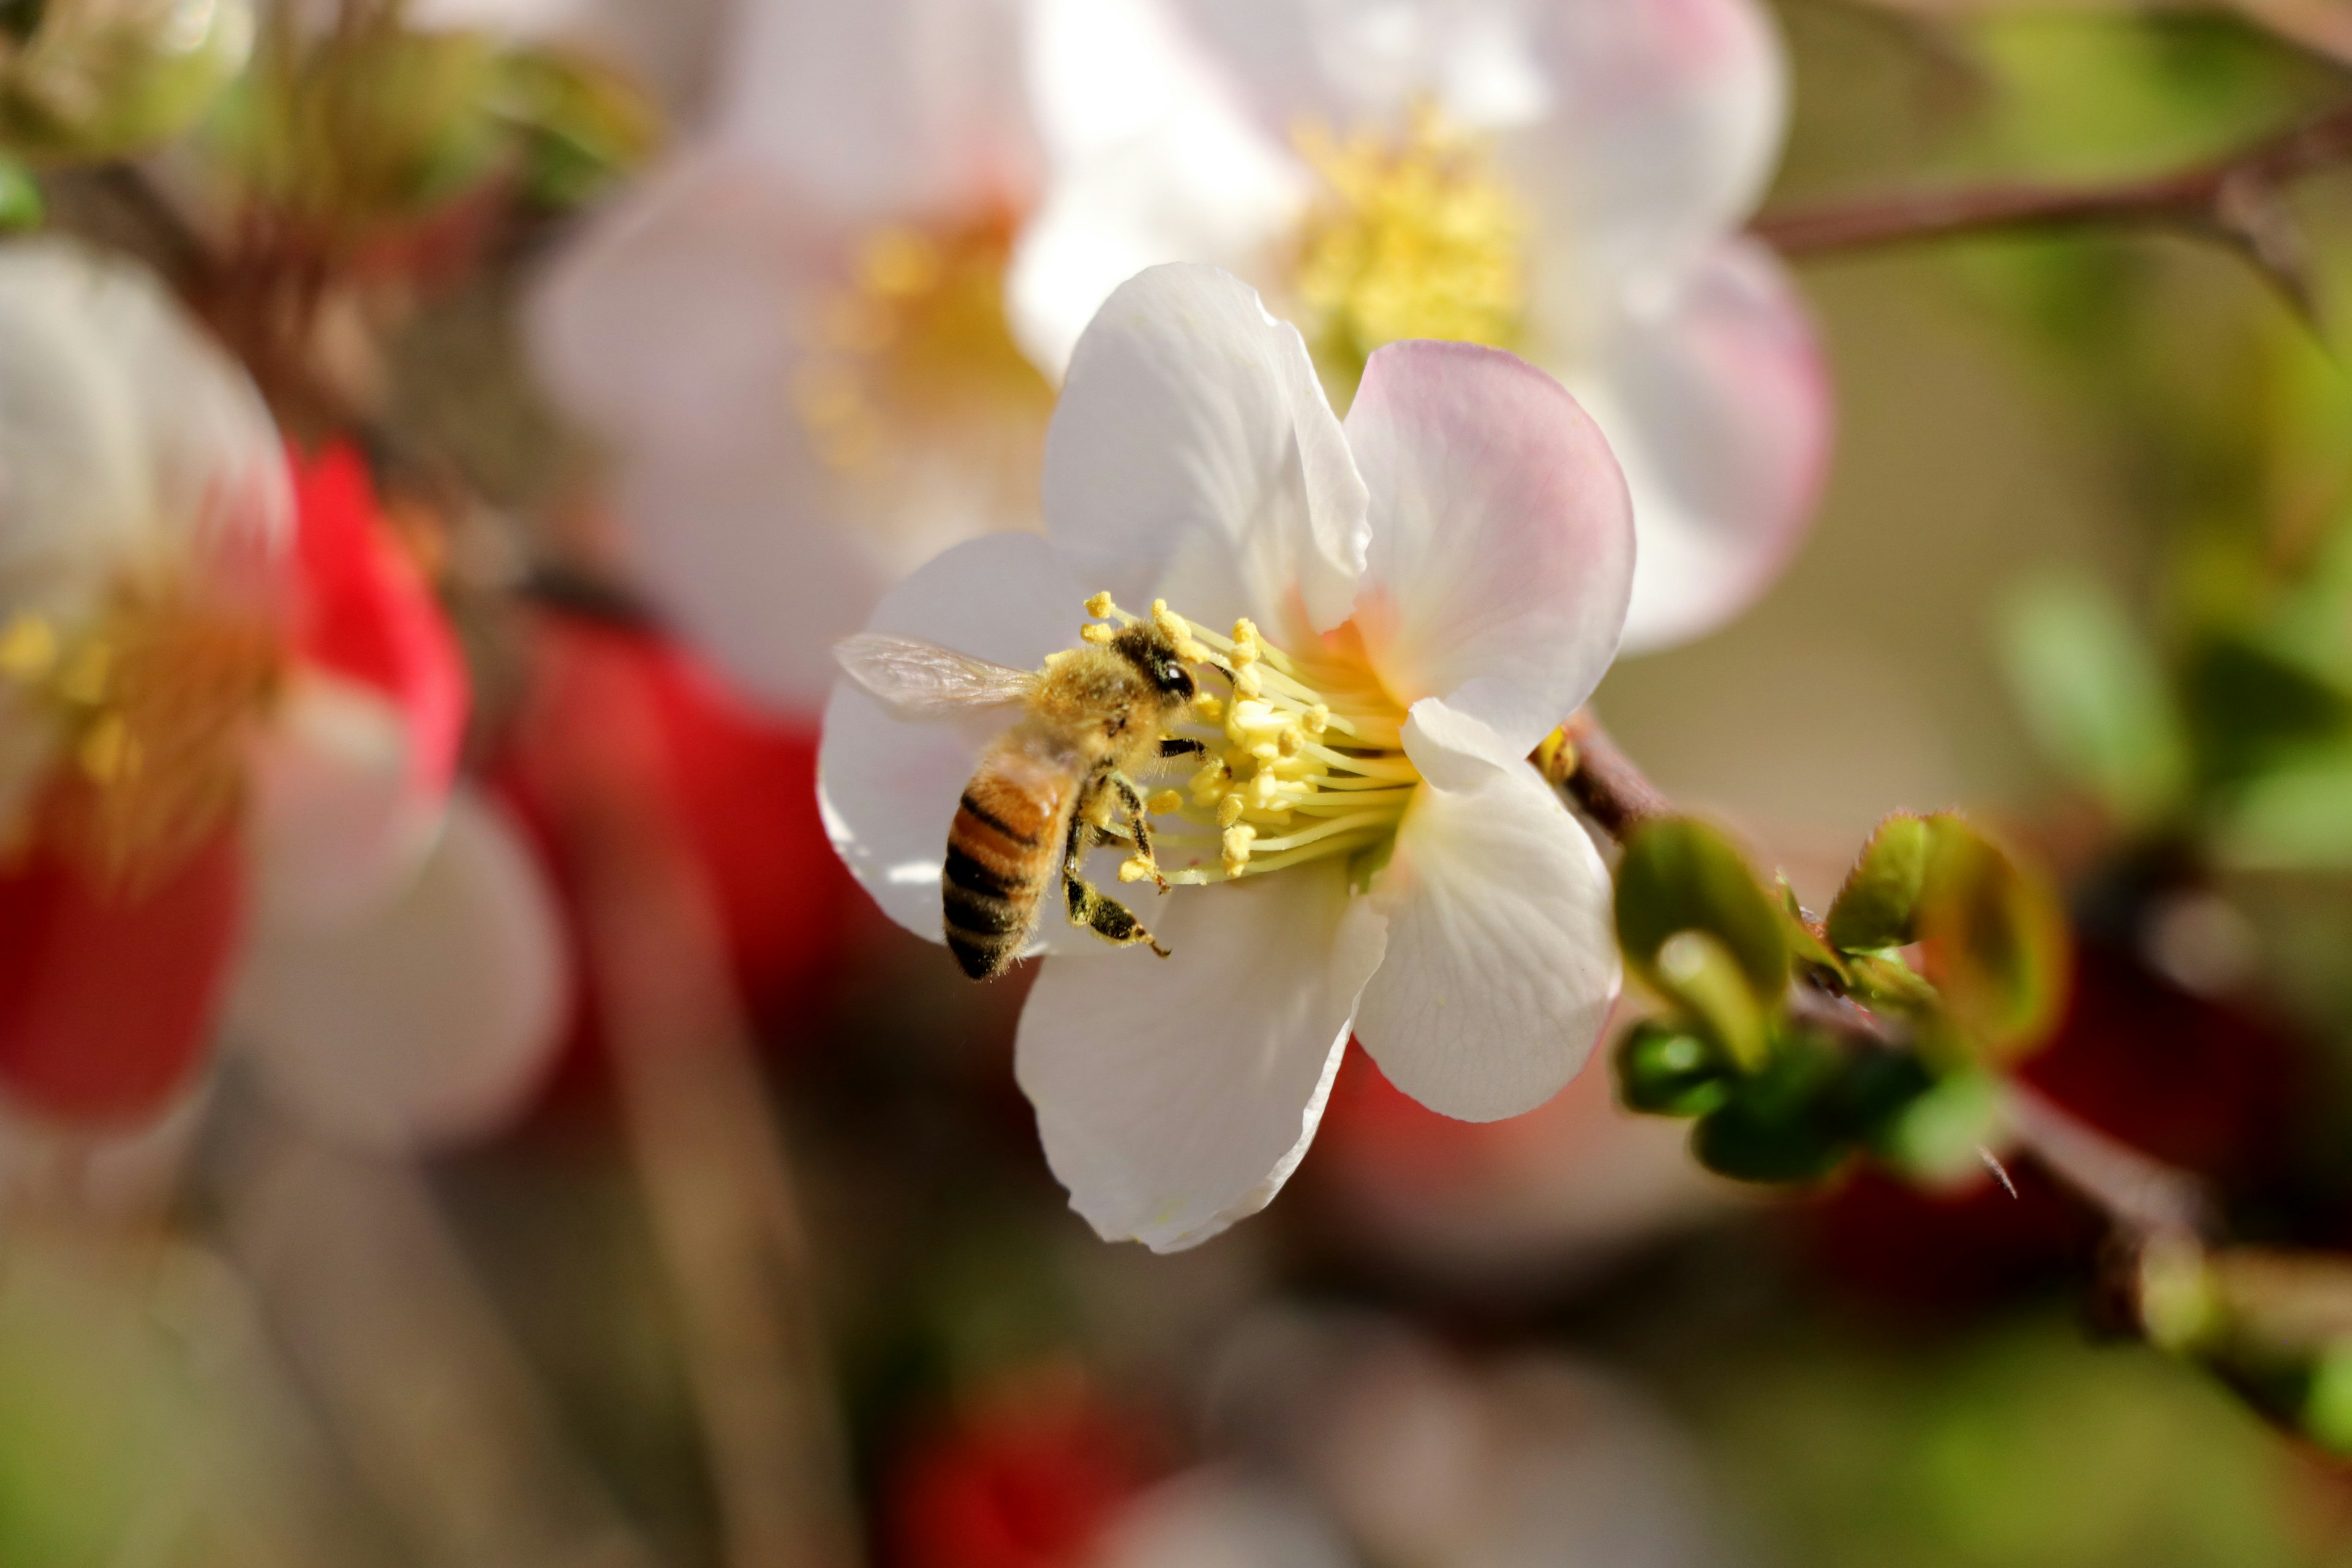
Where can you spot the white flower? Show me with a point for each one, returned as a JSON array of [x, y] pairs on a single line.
[[227, 737], [790, 337], [1565, 180], [1432, 589]]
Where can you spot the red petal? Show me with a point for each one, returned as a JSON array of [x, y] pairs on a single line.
[[367, 613], [107, 998]]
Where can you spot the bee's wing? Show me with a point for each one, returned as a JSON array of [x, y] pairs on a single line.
[[924, 681]]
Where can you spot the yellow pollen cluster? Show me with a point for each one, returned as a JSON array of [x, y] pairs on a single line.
[[1414, 237], [1304, 756], [152, 703], [915, 343]]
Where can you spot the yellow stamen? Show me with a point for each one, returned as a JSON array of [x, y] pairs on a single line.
[[1304, 758], [152, 704], [1414, 237], [910, 356]]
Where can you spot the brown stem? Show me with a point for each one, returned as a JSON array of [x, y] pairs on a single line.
[[2235, 199], [1606, 782]]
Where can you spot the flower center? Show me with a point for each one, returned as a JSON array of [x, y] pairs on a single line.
[[1414, 237], [914, 346], [152, 703], [1303, 757]]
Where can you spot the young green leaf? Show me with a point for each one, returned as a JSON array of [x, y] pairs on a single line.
[[1681, 875]]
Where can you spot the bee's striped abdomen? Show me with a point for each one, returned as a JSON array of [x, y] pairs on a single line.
[[1004, 846]]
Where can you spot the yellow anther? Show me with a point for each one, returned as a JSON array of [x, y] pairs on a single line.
[[29, 648], [1136, 869], [1244, 642], [1317, 719], [1207, 707], [1228, 810], [1290, 744], [1237, 841], [1246, 680], [1096, 633], [1165, 802], [108, 752], [1101, 606], [1057, 655], [1213, 775]]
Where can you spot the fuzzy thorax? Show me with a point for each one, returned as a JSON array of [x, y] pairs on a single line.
[[1303, 757]]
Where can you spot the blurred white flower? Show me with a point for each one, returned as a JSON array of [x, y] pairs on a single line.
[[792, 338], [227, 740], [1432, 589], [1566, 181], [1361, 1444]]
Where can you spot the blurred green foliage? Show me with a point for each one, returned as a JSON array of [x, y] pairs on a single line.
[[2022, 1447]]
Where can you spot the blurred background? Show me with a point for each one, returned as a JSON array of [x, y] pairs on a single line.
[[749, 1255]]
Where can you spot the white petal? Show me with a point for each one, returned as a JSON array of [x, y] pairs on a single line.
[[1176, 1096], [1153, 161], [1348, 62], [1502, 961], [672, 324], [889, 788], [123, 429], [748, 559], [1189, 410], [1221, 1518], [337, 817], [1502, 549], [1666, 123], [433, 1015], [1721, 410], [881, 107]]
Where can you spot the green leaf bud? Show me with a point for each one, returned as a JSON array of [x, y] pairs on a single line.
[[1666, 1070], [1679, 875]]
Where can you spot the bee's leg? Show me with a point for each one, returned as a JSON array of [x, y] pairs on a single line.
[[1140, 821], [1179, 746], [1107, 918]]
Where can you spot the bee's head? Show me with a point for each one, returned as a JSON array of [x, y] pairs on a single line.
[[1146, 648]]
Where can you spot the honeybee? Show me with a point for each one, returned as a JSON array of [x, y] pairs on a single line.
[[1048, 790]]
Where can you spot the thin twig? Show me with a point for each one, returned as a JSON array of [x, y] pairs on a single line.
[[2237, 199], [1608, 785]]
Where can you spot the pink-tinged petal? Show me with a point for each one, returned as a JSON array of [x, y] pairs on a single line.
[[1359, 62], [337, 819], [1502, 961], [365, 611], [1190, 411], [888, 787], [1721, 408], [673, 325], [108, 995], [882, 107], [1153, 161], [430, 1017], [1666, 124], [1176, 1096], [1502, 548]]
